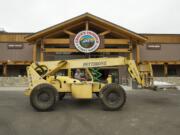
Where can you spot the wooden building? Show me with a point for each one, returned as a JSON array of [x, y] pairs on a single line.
[[57, 42], [15, 54], [163, 52]]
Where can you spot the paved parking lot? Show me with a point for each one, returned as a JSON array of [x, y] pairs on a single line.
[[145, 113]]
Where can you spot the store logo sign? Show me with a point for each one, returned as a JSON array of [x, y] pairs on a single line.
[[87, 41]]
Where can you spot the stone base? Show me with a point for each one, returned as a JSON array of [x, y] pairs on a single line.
[[13, 82]]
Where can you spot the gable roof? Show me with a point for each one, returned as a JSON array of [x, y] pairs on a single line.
[[84, 17]]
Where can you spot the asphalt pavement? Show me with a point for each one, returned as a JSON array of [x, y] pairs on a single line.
[[145, 113]]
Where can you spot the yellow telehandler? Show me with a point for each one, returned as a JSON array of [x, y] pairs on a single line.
[[51, 80]]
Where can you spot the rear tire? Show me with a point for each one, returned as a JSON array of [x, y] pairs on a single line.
[[112, 97], [43, 97]]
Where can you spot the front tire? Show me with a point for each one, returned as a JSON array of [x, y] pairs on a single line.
[[43, 97], [112, 97]]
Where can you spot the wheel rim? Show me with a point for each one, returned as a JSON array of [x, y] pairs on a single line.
[[43, 97], [113, 97]]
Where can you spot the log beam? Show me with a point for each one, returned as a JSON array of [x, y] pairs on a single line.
[[61, 30], [16, 62], [162, 62], [54, 41], [116, 41], [113, 50], [75, 50], [75, 25], [105, 32], [69, 32]]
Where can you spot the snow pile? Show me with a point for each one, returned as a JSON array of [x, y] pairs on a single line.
[[165, 85], [127, 88], [159, 83]]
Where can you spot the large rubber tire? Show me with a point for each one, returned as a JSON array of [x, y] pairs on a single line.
[[61, 95], [112, 97], [43, 97]]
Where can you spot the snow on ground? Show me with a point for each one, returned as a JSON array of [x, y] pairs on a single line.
[[127, 88], [159, 83], [166, 85]]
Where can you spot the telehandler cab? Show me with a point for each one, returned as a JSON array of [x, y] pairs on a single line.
[[51, 80]]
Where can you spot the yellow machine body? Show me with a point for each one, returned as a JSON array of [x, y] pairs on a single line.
[[82, 89]]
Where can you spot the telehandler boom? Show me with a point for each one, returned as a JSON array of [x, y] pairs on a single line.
[[51, 80]]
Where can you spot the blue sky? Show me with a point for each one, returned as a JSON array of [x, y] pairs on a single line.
[[141, 16]]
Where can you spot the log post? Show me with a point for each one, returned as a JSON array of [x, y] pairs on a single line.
[[130, 50], [87, 25], [4, 69], [42, 51], [34, 53], [137, 54], [166, 69]]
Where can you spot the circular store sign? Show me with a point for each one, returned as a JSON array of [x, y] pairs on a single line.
[[87, 41]]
